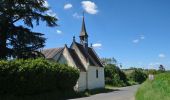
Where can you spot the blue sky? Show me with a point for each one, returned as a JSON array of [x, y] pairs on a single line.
[[135, 32]]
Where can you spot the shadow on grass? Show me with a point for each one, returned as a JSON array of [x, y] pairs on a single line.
[[57, 95]]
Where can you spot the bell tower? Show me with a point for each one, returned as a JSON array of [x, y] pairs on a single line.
[[83, 35]]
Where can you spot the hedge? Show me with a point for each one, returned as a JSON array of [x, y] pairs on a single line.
[[35, 76]]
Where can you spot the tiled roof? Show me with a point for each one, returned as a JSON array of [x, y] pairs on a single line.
[[50, 53]]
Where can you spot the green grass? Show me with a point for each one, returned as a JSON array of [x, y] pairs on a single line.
[[158, 89]]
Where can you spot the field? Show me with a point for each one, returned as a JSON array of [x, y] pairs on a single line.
[[158, 89]]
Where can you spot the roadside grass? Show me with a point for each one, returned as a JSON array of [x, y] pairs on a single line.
[[58, 95], [158, 89]]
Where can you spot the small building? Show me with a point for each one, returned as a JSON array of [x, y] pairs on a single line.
[[83, 57]]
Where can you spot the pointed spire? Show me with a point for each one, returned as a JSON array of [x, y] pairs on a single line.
[[83, 29]]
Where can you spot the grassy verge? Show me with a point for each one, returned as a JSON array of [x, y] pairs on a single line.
[[158, 89]]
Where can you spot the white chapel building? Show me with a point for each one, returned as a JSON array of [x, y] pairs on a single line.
[[83, 57]]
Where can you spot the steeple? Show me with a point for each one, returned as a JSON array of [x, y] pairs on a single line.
[[83, 34], [83, 29]]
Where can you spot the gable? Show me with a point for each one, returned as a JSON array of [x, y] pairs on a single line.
[[92, 56], [70, 57]]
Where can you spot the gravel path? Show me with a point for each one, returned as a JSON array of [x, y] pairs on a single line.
[[125, 93]]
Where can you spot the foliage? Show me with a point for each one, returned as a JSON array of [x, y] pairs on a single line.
[[35, 76], [58, 95], [161, 68], [152, 71], [114, 76], [158, 89], [18, 40], [138, 75]]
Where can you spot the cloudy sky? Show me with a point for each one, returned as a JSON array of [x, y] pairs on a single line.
[[135, 32]]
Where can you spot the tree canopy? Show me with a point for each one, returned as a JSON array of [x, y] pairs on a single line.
[[161, 68], [18, 40]]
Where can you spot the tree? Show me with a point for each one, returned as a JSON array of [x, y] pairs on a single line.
[[114, 76], [138, 75], [17, 39], [161, 68]]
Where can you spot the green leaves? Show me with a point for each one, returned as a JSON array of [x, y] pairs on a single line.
[[138, 76], [30, 12], [35, 76], [114, 76]]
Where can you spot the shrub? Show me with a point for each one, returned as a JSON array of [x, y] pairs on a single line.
[[138, 75], [114, 76], [35, 76]]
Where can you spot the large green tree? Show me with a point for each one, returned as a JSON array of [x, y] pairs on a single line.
[[114, 75], [18, 40]]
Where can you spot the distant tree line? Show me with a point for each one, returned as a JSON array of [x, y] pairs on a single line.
[[116, 76]]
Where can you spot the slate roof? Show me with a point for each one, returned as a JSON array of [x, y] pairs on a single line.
[[50, 53], [92, 56], [76, 59], [83, 29]]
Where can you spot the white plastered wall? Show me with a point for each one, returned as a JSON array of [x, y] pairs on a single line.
[[81, 84], [93, 81]]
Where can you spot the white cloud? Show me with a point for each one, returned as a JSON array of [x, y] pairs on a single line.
[[90, 7], [136, 41], [68, 6], [139, 39], [46, 4], [59, 32], [97, 45], [51, 13], [76, 15], [142, 37], [161, 55]]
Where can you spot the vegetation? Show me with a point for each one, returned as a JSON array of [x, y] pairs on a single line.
[[137, 75], [158, 89], [114, 76], [161, 68], [18, 40], [39, 76]]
